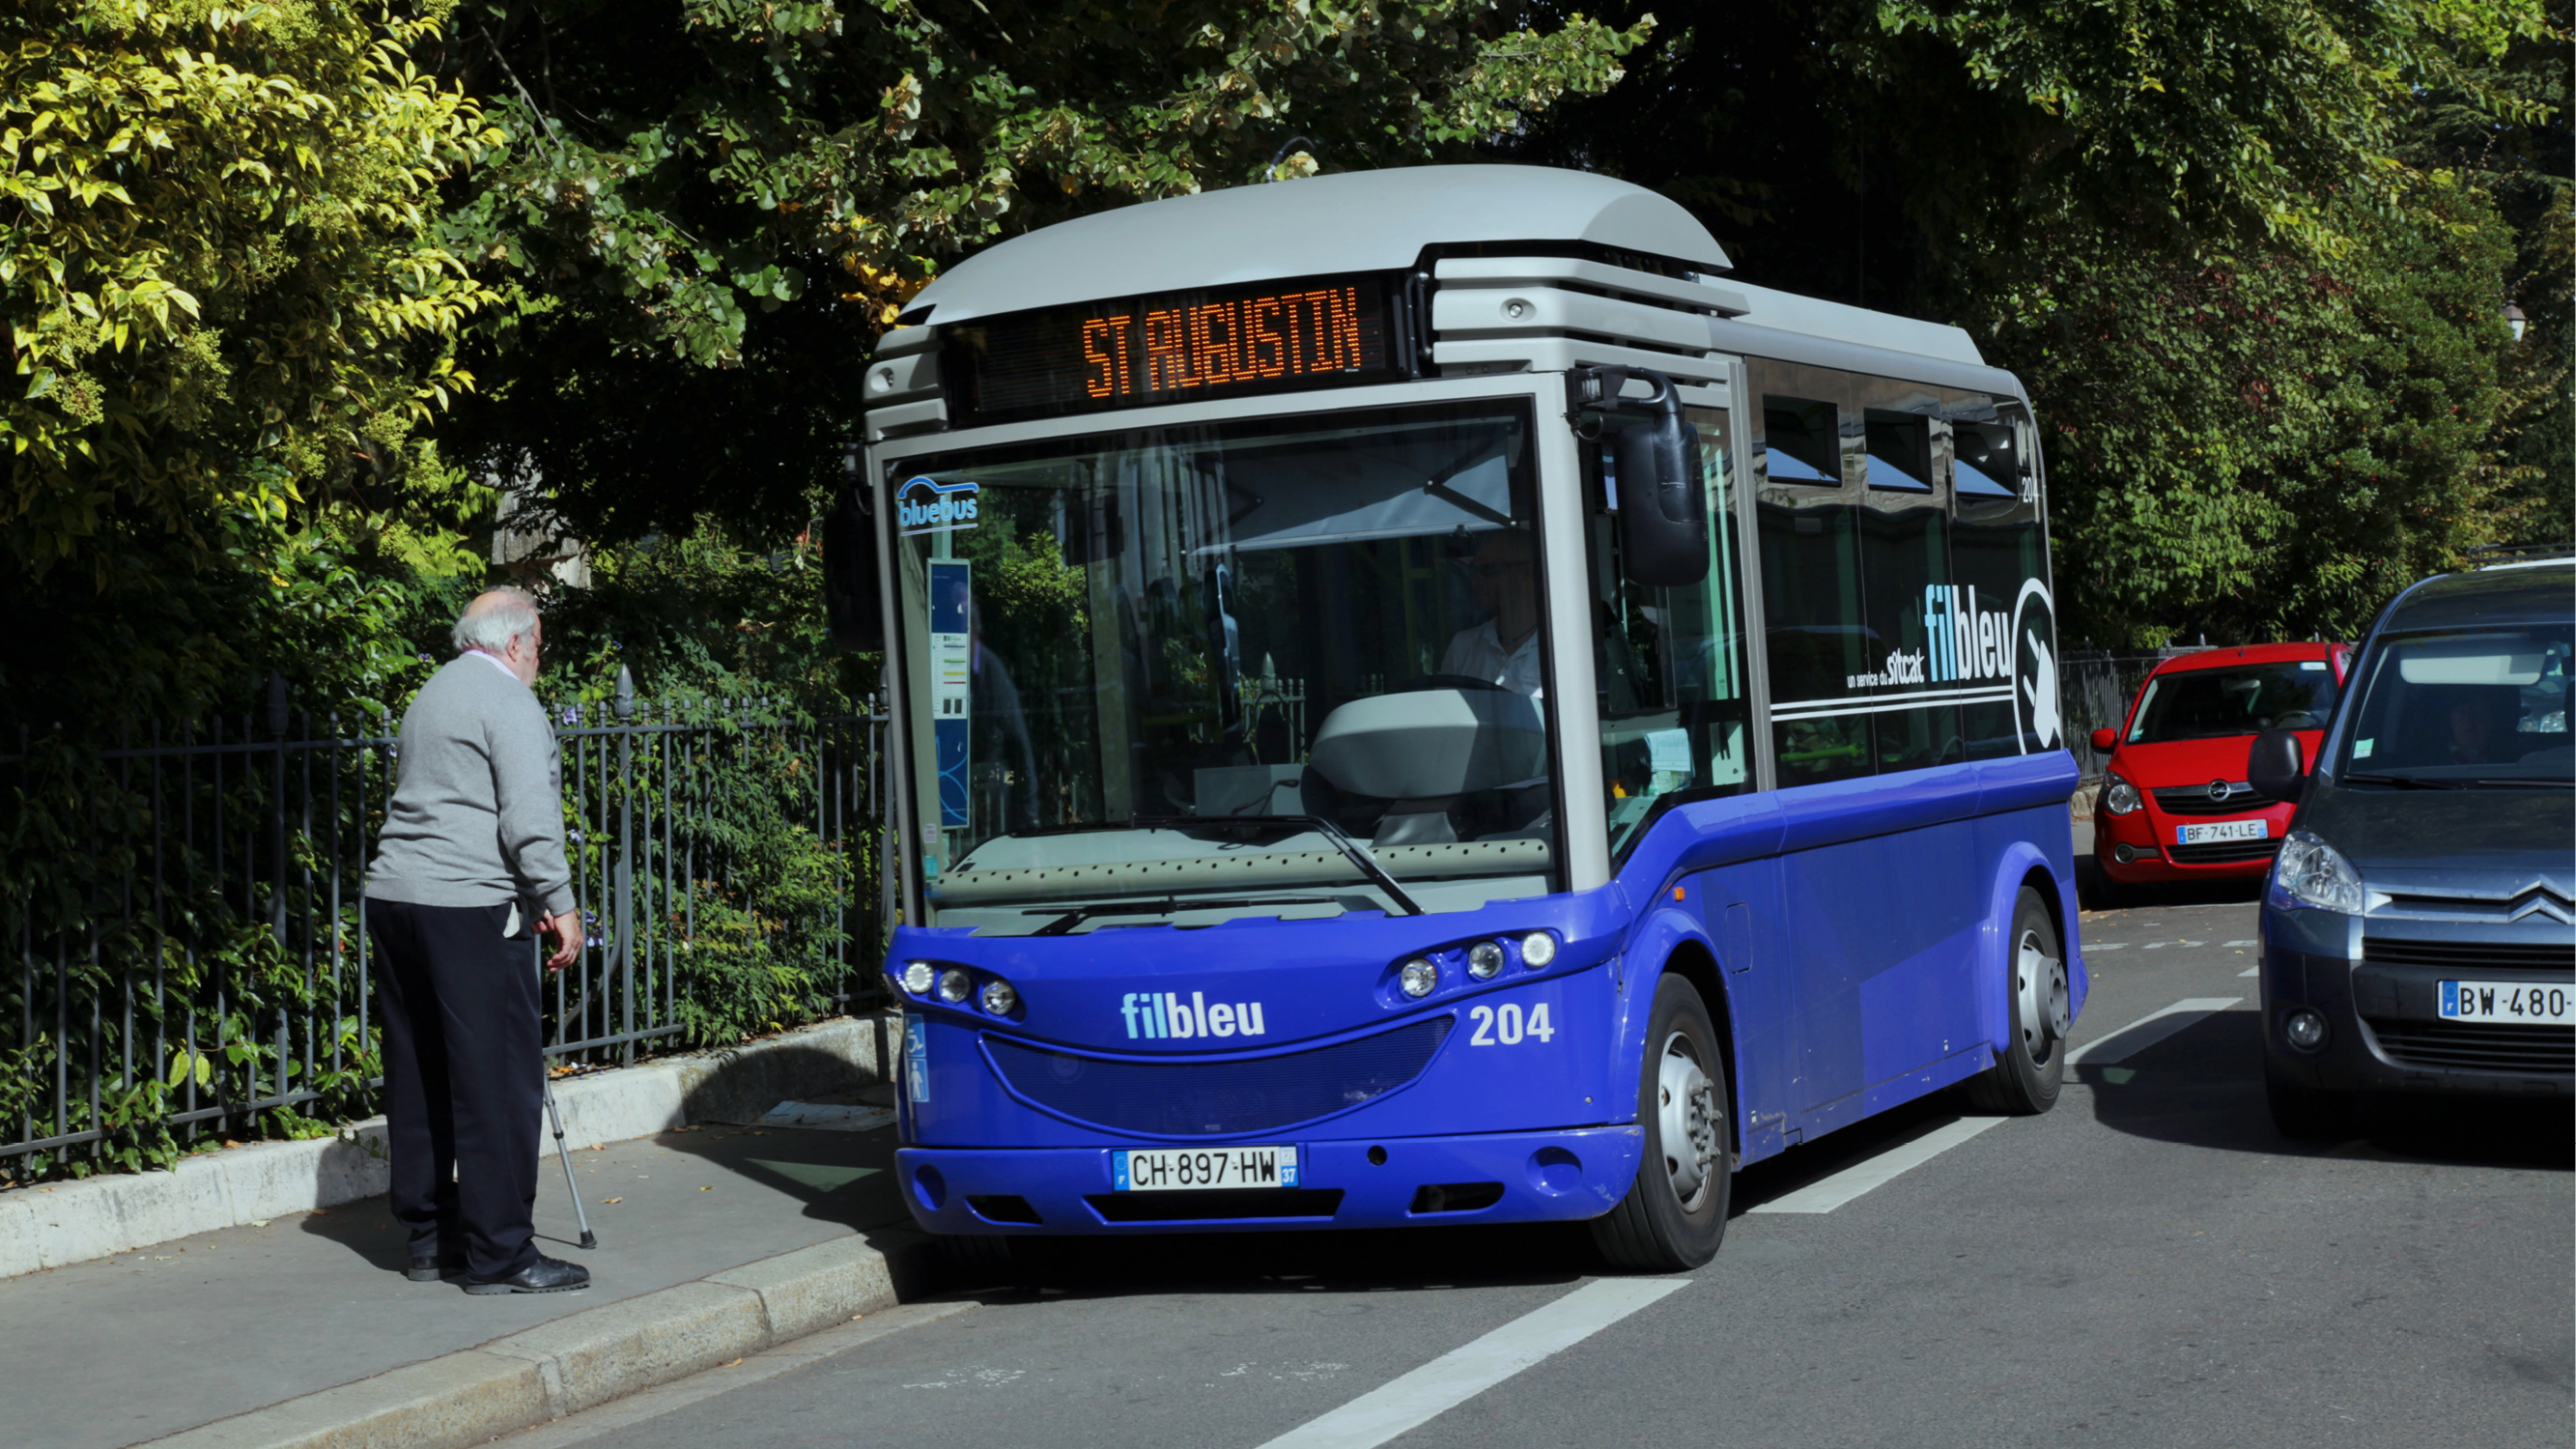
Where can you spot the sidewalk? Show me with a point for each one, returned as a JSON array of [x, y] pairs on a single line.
[[118, 1351]]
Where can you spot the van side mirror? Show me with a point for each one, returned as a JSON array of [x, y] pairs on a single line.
[[1663, 504], [2105, 740], [850, 604], [2274, 767]]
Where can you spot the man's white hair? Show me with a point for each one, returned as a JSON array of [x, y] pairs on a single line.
[[496, 617]]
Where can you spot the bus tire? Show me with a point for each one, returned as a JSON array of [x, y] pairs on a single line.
[[1675, 1212], [2024, 1080]]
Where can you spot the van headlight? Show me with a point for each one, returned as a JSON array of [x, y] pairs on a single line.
[[2313, 874], [2119, 797]]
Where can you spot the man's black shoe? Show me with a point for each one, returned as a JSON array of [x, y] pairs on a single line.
[[430, 1269], [546, 1275]]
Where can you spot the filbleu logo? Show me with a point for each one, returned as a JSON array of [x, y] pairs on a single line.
[[1165, 1014], [1966, 642], [925, 505]]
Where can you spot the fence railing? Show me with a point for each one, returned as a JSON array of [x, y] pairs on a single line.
[[187, 909], [2093, 692]]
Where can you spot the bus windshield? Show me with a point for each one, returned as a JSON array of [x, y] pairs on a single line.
[[2209, 704], [1285, 668]]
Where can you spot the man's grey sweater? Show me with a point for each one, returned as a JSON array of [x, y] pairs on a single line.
[[477, 813]]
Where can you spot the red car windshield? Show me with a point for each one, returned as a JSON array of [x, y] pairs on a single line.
[[2208, 704]]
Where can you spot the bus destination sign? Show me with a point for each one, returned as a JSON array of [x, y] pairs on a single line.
[[1138, 352]]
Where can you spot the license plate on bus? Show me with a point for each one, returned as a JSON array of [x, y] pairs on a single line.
[[2512, 1001], [1199, 1169], [2223, 830]]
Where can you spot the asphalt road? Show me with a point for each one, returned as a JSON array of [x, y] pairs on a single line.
[[2146, 1265]]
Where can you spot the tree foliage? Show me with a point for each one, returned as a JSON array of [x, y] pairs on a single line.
[[710, 208], [221, 294], [2259, 317]]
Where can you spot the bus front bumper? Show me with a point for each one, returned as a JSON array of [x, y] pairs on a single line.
[[1359, 1182]]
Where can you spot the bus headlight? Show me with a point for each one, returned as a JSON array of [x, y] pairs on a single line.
[[1418, 977], [917, 976], [954, 985], [999, 998], [1485, 960], [1538, 947], [2119, 797]]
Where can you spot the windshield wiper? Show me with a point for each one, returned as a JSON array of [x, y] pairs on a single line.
[[2403, 782], [1066, 920], [2530, 782], [1351, 848]]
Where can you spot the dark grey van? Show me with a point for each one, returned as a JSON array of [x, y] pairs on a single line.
[[2419, 926]]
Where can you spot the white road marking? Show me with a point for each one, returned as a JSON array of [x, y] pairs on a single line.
[[2147, 1030], [1415, 1399], [1830, 1193], [2251, 971], [2107, 946], [2233, 944], [2155, 945]]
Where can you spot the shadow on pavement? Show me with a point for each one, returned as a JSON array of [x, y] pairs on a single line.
[[2095, 891], [2203, 1087]]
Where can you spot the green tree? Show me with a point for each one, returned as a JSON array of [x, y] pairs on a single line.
[[709, 209], [2260, 325]]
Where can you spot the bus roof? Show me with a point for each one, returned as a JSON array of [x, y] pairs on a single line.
[[1353, 221], [1381, 221]]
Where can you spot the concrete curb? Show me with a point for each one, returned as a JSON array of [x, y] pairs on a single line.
[[589, 1358], [73, 1222]]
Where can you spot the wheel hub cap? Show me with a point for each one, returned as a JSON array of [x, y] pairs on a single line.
[[1686, 1119], [2040, 992]]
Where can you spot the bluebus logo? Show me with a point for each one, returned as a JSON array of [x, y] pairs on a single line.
[[925, 505], [1164, 1014], [1965, 641]]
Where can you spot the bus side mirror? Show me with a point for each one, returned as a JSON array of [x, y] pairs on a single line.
[[2273, 767], [850, 603], [2105, 740], [1663, 505]]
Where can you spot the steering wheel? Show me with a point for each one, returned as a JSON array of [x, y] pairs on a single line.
[[2296, 719], [1454, 681]]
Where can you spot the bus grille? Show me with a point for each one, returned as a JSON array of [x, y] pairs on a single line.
[[2223, 852], [2477, 1046], [1175, 1098]]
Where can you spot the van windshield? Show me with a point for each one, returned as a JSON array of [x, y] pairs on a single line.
[[1285, 668], [2477, 707], [2209, 704]]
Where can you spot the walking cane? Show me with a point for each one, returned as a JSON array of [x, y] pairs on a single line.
[[554, 1114]]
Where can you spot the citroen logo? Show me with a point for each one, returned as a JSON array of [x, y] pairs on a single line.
[[2221, 791]]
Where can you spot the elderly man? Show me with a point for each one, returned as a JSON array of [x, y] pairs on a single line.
[[472, 856]]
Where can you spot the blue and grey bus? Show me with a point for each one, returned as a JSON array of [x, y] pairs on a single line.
[[1416, 701]]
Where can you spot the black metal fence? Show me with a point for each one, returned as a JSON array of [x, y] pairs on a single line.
[[187, 908], [2093, 692]]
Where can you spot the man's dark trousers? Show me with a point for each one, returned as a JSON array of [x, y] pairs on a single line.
[[464, 1080]]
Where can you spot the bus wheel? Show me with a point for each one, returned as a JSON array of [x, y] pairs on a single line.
[[1675, 1212], [2033, 1066]]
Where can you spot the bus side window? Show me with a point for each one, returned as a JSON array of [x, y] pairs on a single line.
[[1819, 642], [1996, 544], [1675, 713], [1905, 573]]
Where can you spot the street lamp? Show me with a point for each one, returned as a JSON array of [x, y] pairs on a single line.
[[2514, 320]]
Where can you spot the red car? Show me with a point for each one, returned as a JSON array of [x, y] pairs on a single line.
[[2174, 804]]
